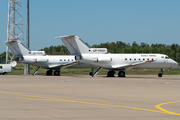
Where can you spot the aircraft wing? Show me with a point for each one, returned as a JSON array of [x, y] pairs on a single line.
[[62, 66], [130, 66]]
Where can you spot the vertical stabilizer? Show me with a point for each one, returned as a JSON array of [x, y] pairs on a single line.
[[17, 48], [74, 44]]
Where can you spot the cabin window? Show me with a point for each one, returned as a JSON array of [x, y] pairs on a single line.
[[166, 57], [130, 59], [143, 59], [152, 59], [68, 59], [72, 59], [134, 58], [125, 58], [0, 67], [60, 59], [139, 59], [64, 60], [148, 59]]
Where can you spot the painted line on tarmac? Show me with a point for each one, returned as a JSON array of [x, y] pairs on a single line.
[[160, 108], [90, 103]]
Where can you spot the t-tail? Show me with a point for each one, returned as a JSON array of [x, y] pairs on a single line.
[[76, 46], [18, 49]]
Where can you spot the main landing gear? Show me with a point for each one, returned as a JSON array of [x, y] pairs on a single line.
[[160, 74], [120, 73], [56, 72], [111, 73], [49, 72]]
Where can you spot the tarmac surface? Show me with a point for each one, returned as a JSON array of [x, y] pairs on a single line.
[[136, 97]]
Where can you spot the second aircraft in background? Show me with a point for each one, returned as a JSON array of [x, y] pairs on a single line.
[[40, 59]]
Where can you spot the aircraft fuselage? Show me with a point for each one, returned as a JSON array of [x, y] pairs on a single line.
[[112, 61]]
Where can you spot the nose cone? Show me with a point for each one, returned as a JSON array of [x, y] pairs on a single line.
[[174, 64]]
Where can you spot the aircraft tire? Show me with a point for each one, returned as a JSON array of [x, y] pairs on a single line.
[[90, 73], [160, 75], [121, 74], [110, 74], [56, 73], [5, 73], [49, 72]]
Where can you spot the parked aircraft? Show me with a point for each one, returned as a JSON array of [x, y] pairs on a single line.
[[100, 57], [40, 59]]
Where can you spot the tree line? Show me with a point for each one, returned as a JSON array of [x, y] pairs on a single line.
[[173, 51]]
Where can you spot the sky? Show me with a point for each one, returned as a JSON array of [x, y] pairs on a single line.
[[97, 21]]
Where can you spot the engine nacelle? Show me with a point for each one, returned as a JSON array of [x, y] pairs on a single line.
[[102, 59], [39, 60]]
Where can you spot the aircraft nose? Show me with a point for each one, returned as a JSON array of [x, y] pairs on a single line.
[[174, 64]]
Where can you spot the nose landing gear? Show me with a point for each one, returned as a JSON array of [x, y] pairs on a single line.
[[160, 74]]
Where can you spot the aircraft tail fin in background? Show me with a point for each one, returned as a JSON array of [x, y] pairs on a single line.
[[76, 46], [18, 49]]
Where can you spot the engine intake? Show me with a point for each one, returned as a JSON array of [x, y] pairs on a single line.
[[78, 57]]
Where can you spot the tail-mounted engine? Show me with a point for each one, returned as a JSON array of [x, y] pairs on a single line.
[[102, 59]]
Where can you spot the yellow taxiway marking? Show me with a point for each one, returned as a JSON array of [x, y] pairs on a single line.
[[91, 103], [159, 107]]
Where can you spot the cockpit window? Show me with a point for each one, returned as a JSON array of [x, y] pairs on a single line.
[[166, 57]]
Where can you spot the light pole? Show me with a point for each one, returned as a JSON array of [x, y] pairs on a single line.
[[27, 37]]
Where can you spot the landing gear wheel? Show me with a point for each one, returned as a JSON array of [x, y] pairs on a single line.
[[56, 73], [49, 72], [160, 75], [121, 74], [5, 73], [91, 73], [111, 74]]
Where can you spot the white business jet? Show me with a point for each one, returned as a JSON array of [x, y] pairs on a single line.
[[40, 59], [100, 57]]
